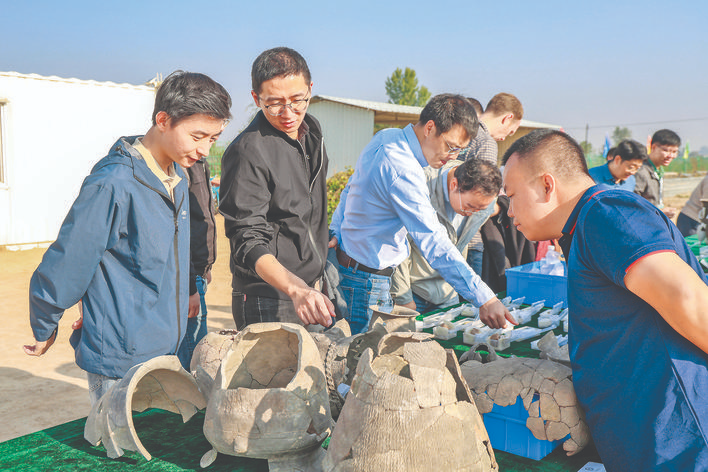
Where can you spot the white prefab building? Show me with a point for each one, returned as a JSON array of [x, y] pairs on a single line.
[[348, 126], [52, 132]]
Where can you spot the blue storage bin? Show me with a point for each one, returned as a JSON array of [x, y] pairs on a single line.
[[520, 282], [506, 426]]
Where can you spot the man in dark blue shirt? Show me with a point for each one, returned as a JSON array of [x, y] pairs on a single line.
[[638, 305]]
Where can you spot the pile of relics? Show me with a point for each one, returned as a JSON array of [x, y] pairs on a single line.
[[390, 399]]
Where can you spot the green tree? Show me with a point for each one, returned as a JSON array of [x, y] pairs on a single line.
[[402, 89], [620, 134], [587, 147]]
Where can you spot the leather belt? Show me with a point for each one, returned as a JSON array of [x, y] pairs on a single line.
[[348, 262]]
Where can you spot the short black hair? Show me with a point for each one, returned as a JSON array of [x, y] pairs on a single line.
[[550, 149], [447, 110], [476, 174], [278, 62], [666, 137], [611, 153], [183, 94], [477, 106], [631, 150]]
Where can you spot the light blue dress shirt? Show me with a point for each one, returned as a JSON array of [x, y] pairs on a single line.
[[387, 198]]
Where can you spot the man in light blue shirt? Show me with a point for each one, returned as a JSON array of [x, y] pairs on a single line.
[[463, 194], [619, 172], [387, 198]]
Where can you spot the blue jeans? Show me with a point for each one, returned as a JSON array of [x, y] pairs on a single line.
[[474, 259], [361, 289], [196, 328], [98, 385]]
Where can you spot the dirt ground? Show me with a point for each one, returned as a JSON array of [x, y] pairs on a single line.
[[37, 393], [40, 392]]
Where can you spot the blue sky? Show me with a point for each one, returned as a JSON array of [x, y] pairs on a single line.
[[604, 63]]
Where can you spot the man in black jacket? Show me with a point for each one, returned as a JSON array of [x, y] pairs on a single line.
[[273, 198], [202, 245]]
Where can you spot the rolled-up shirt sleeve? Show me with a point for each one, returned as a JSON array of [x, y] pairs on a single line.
[[410, 198]]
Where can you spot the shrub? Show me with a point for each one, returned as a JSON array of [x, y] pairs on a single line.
[[335, 185]]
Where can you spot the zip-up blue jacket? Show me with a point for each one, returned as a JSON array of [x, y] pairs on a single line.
[[124, 250]]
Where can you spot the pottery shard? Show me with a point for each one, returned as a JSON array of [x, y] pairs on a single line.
[[565, 393], [492, 391], [537, 428], [547, 386], [524, 374], [393, 392], [536, 380], [553, 370], [508, 391], [527, 397], [534, 410], [428, 384], [556, 430], [580, 434], [531, 363], [549, 408], [484, 403], [569, 415], [426, 354], [571, 447]]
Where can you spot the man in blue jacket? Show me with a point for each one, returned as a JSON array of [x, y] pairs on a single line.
[[123, 249]]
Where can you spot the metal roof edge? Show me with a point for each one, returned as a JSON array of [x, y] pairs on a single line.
[[393, 108], [54, 78]]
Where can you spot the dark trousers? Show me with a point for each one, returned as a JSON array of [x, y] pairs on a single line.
[[688, 226], [249, 309]]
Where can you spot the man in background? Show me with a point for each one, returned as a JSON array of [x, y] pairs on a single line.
[[202, 243], [499, 120], [459, 193], [688, 220], [629, 157], [650, 177]]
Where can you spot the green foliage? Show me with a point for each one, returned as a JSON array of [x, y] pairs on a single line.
[[587, 147], [402, 89], [214, 159], [620, 134], [335, 185]]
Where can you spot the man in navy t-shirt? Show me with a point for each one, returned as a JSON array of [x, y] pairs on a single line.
[[638, 304]]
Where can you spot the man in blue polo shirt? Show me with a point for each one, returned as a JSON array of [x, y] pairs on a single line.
[[387, 198], [638, 301], [619, 171]]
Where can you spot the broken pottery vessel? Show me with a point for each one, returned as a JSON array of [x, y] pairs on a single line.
[[409, 410], [399, 318], [546, 389], [158, 383], [212, 348], [340, 353], [269, 399]]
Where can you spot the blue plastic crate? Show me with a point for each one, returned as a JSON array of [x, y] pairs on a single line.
[[520, 282], [506, 426]]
